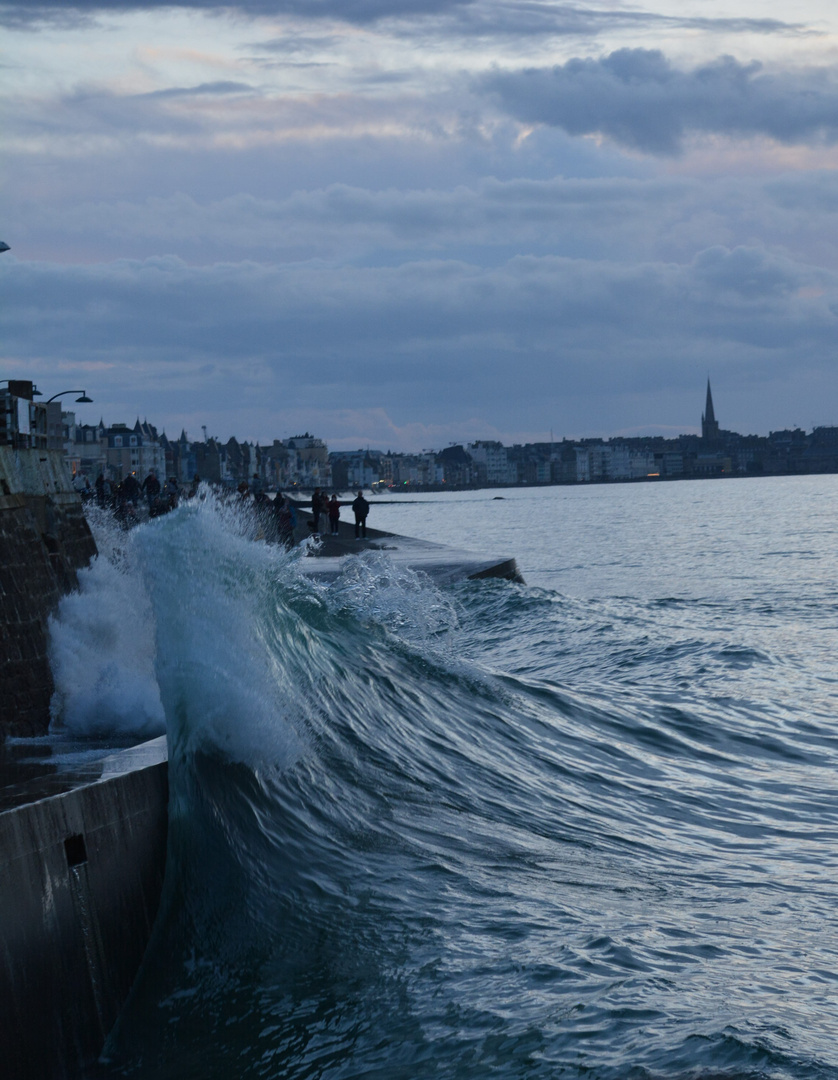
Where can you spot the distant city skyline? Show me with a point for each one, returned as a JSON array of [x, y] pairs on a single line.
[[411, 225], [359, 443], [94, 413]]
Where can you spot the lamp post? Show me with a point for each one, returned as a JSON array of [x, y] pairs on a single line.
[[83, 400], [53, 416]]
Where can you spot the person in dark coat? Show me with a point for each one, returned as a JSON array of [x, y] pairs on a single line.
[[286, 520], [131, 489], [360, 508], [316, 509], [334, 515], [151, 487]]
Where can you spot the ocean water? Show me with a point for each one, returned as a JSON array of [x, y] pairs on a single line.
[[586, 827]]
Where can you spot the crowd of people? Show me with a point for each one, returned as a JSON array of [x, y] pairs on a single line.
[[329, 509], [278, 515], [124, 496]]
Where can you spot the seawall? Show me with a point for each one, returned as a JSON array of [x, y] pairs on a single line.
[[81, 871], [443, 564], [44, 541]]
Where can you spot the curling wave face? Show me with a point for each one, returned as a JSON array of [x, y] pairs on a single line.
[[417, 833]]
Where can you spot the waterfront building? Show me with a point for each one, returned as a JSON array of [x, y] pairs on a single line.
[[491, 463], [23, 421], [273, 465], [308, 462], [84, 446], [133, 450], [457, 467], [414, 470], [352, 469]]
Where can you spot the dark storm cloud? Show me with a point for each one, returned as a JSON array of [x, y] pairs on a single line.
[[467, 17], [639, 99], [354, 11], [516, 18]]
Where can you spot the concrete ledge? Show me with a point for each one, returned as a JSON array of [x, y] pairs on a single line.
[[80, 879], [445, 565], [442, 564]]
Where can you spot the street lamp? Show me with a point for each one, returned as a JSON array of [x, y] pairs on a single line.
[[83, 400]]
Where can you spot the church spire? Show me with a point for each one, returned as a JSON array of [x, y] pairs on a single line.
[[709, 424]]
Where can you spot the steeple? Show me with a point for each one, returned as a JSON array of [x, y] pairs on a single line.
[[709, 424]]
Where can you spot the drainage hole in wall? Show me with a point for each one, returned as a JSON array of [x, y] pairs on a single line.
[[75, 850]]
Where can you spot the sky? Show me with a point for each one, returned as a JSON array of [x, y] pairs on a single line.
[[406, 223]]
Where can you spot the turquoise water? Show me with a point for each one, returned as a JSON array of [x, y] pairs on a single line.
[[585, 827]]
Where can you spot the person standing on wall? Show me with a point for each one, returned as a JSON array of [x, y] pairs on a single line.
[[334, 516], [316, 510], [361, 508], [151, 487]]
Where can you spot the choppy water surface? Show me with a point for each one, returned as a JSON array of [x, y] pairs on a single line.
[[585, 827]]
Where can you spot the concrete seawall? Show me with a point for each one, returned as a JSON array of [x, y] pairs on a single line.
[[81, 871], [443, 564]]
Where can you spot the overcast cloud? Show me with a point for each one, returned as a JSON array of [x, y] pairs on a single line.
[[637, 98], [441, 222]]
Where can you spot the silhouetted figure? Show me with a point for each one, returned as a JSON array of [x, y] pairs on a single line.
[[127, 492], [286, 520], [130, 489], [334, 516], [316, 510], [360, 508], [151, 487], [257, 489]]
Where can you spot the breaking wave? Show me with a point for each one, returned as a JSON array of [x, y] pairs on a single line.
[[488, 831]]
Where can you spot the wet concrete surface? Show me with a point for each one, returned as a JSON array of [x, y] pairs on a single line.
[[32, 769], [444, 565]]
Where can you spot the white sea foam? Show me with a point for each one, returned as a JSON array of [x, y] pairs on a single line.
[[102, 646], [375, 589]]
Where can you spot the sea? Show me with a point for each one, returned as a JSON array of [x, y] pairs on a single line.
[[583, 827]]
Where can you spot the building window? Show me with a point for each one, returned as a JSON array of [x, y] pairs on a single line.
[[133, 440], [117, 440]]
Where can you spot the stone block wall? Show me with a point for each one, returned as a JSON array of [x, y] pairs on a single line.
[[44, 541]]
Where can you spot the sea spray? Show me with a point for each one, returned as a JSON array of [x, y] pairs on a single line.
[[102, 645]]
